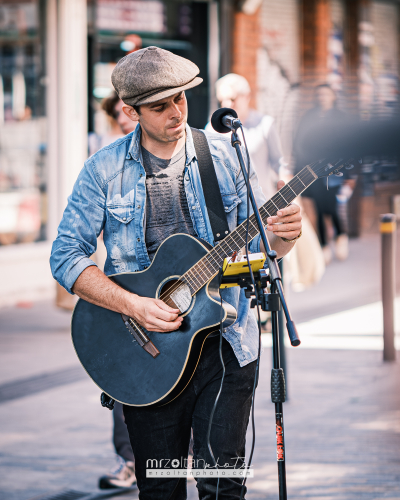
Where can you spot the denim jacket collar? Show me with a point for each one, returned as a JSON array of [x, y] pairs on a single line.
[[190, 151], [134, 151]]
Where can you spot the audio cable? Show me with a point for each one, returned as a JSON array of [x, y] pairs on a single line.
[[259, 345]]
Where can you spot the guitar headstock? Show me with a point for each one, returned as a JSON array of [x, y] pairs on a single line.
[[325, 168]]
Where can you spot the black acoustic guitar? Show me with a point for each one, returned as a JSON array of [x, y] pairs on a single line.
[[140, 368]]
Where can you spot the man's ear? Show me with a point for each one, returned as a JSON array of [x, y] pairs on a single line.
[[130, 112]]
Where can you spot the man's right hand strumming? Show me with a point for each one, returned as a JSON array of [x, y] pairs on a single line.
[[153, 314]]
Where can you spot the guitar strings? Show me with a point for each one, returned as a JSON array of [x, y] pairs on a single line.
[[191, 282], [296, 183], [215, 250]]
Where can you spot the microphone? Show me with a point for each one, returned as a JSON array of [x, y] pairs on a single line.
[[225, 120]]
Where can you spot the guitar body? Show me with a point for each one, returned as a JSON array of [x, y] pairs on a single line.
[[117, 363]]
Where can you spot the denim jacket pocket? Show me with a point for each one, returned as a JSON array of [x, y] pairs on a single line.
[[122, 225], [123, 213], [231, 201]]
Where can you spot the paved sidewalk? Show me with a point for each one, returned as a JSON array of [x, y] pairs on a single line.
[[342, 427], [342, 421], [357, 328], [345, 285]]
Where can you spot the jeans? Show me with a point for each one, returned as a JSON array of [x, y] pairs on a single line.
[[164, 432], [121, 440]]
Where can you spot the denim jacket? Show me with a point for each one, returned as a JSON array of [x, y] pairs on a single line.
[[110, 196]]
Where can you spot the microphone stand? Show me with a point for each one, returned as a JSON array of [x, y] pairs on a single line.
[[271, 302]]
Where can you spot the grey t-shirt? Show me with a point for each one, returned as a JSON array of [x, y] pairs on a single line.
[[167, 210]]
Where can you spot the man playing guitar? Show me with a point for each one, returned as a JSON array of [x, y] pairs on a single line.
[[138, 191]]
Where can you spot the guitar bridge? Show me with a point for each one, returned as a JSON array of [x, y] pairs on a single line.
[[141, 338]]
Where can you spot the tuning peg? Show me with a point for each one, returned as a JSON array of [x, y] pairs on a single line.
[[338, 174], [348, 166]]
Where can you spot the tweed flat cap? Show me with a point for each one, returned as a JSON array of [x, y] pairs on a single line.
[[151, 74]]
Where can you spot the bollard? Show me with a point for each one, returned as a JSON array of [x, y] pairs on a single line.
[[388, 242]]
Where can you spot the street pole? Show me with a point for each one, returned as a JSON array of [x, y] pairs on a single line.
[[388, 247]]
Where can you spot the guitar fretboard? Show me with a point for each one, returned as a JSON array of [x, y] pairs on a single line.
[[207, 267]]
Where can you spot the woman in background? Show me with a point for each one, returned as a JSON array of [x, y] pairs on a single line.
[[325, 201]]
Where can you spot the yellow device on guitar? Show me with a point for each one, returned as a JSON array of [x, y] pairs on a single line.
[[233, 266]]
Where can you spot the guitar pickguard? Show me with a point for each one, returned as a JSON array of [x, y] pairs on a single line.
[[182, 297]]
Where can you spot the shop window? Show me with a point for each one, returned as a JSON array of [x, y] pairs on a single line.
[[117, 28], [22, 124]]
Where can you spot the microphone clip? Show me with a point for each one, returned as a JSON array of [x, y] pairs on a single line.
[[225, 120], [231, 122]]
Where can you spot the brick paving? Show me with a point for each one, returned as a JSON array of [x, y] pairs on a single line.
[[342, 421]]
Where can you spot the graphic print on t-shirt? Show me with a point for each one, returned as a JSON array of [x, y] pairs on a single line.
[[167, 210]]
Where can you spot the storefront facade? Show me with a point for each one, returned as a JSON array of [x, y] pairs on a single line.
[[117, 28], [43, 139], [23, 124], [351, 44], [56, 58]]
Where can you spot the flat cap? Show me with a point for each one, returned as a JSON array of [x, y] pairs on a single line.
[[151, 74]]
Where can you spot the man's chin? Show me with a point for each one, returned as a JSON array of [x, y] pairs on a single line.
[[174, 136]]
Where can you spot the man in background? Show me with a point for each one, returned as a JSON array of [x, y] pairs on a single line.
[[123, 476], [118, 124], [233, 91]]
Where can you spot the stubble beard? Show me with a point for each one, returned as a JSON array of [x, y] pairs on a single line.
[[177, 135], [164, 137]]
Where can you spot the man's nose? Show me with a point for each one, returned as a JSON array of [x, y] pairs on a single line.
[[175, 111]]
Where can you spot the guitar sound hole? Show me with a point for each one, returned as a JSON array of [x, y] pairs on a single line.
[[176, 294]]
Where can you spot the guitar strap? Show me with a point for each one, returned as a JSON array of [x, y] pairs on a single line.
[[212, 194]]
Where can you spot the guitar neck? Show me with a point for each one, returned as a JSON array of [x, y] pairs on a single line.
[[207, 267]]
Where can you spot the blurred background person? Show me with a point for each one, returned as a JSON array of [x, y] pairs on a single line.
[[118, 124], [233, 91], [123, 476], [306, 262], [324, 201]]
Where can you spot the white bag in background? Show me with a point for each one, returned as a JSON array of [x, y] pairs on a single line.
[[305, 263]]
